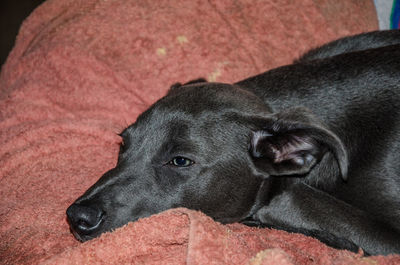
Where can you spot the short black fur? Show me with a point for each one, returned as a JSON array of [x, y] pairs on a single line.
[[312, 147]]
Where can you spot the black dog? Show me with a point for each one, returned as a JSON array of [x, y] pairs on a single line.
[[311, 147]]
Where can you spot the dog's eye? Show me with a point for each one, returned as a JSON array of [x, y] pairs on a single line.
[[181, 162]]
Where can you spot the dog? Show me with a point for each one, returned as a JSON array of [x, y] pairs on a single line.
[[312, 147]]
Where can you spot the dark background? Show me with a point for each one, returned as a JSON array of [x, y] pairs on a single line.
[[12, 13]]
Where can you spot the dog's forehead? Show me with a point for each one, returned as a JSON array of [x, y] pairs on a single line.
[[194, 106]]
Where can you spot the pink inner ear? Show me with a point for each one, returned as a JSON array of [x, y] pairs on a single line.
[[292, 147], [298, 149]]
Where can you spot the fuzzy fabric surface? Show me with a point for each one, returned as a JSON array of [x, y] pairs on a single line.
[[82, 70]]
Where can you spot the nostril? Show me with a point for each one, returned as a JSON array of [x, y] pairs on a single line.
[[84, 219], [87, 222]]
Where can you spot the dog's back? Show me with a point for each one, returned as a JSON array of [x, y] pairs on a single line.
[[365, 41]]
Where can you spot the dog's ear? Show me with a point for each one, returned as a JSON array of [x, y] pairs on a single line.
[[292, 142], [178, 85]]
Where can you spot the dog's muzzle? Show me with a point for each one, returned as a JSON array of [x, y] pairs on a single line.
[[84, 220]]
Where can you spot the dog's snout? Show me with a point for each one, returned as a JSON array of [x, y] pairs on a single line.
[[84, 219]]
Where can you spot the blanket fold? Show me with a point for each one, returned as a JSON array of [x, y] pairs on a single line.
[[182, 236]]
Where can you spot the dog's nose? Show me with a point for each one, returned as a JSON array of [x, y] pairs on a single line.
[[84, 219]]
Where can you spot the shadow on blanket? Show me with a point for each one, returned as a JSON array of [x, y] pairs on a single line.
[[82, 70]]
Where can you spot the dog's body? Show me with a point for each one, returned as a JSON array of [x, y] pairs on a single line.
[[313, 146]]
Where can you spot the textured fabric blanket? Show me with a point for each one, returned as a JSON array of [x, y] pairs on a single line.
[[82, 70]]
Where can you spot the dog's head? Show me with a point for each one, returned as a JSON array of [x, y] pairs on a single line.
[[204, 146]]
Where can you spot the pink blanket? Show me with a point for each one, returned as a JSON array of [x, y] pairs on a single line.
[[82, 70]]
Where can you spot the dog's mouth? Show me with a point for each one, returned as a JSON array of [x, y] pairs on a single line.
[[79, 237], [82, 237]]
